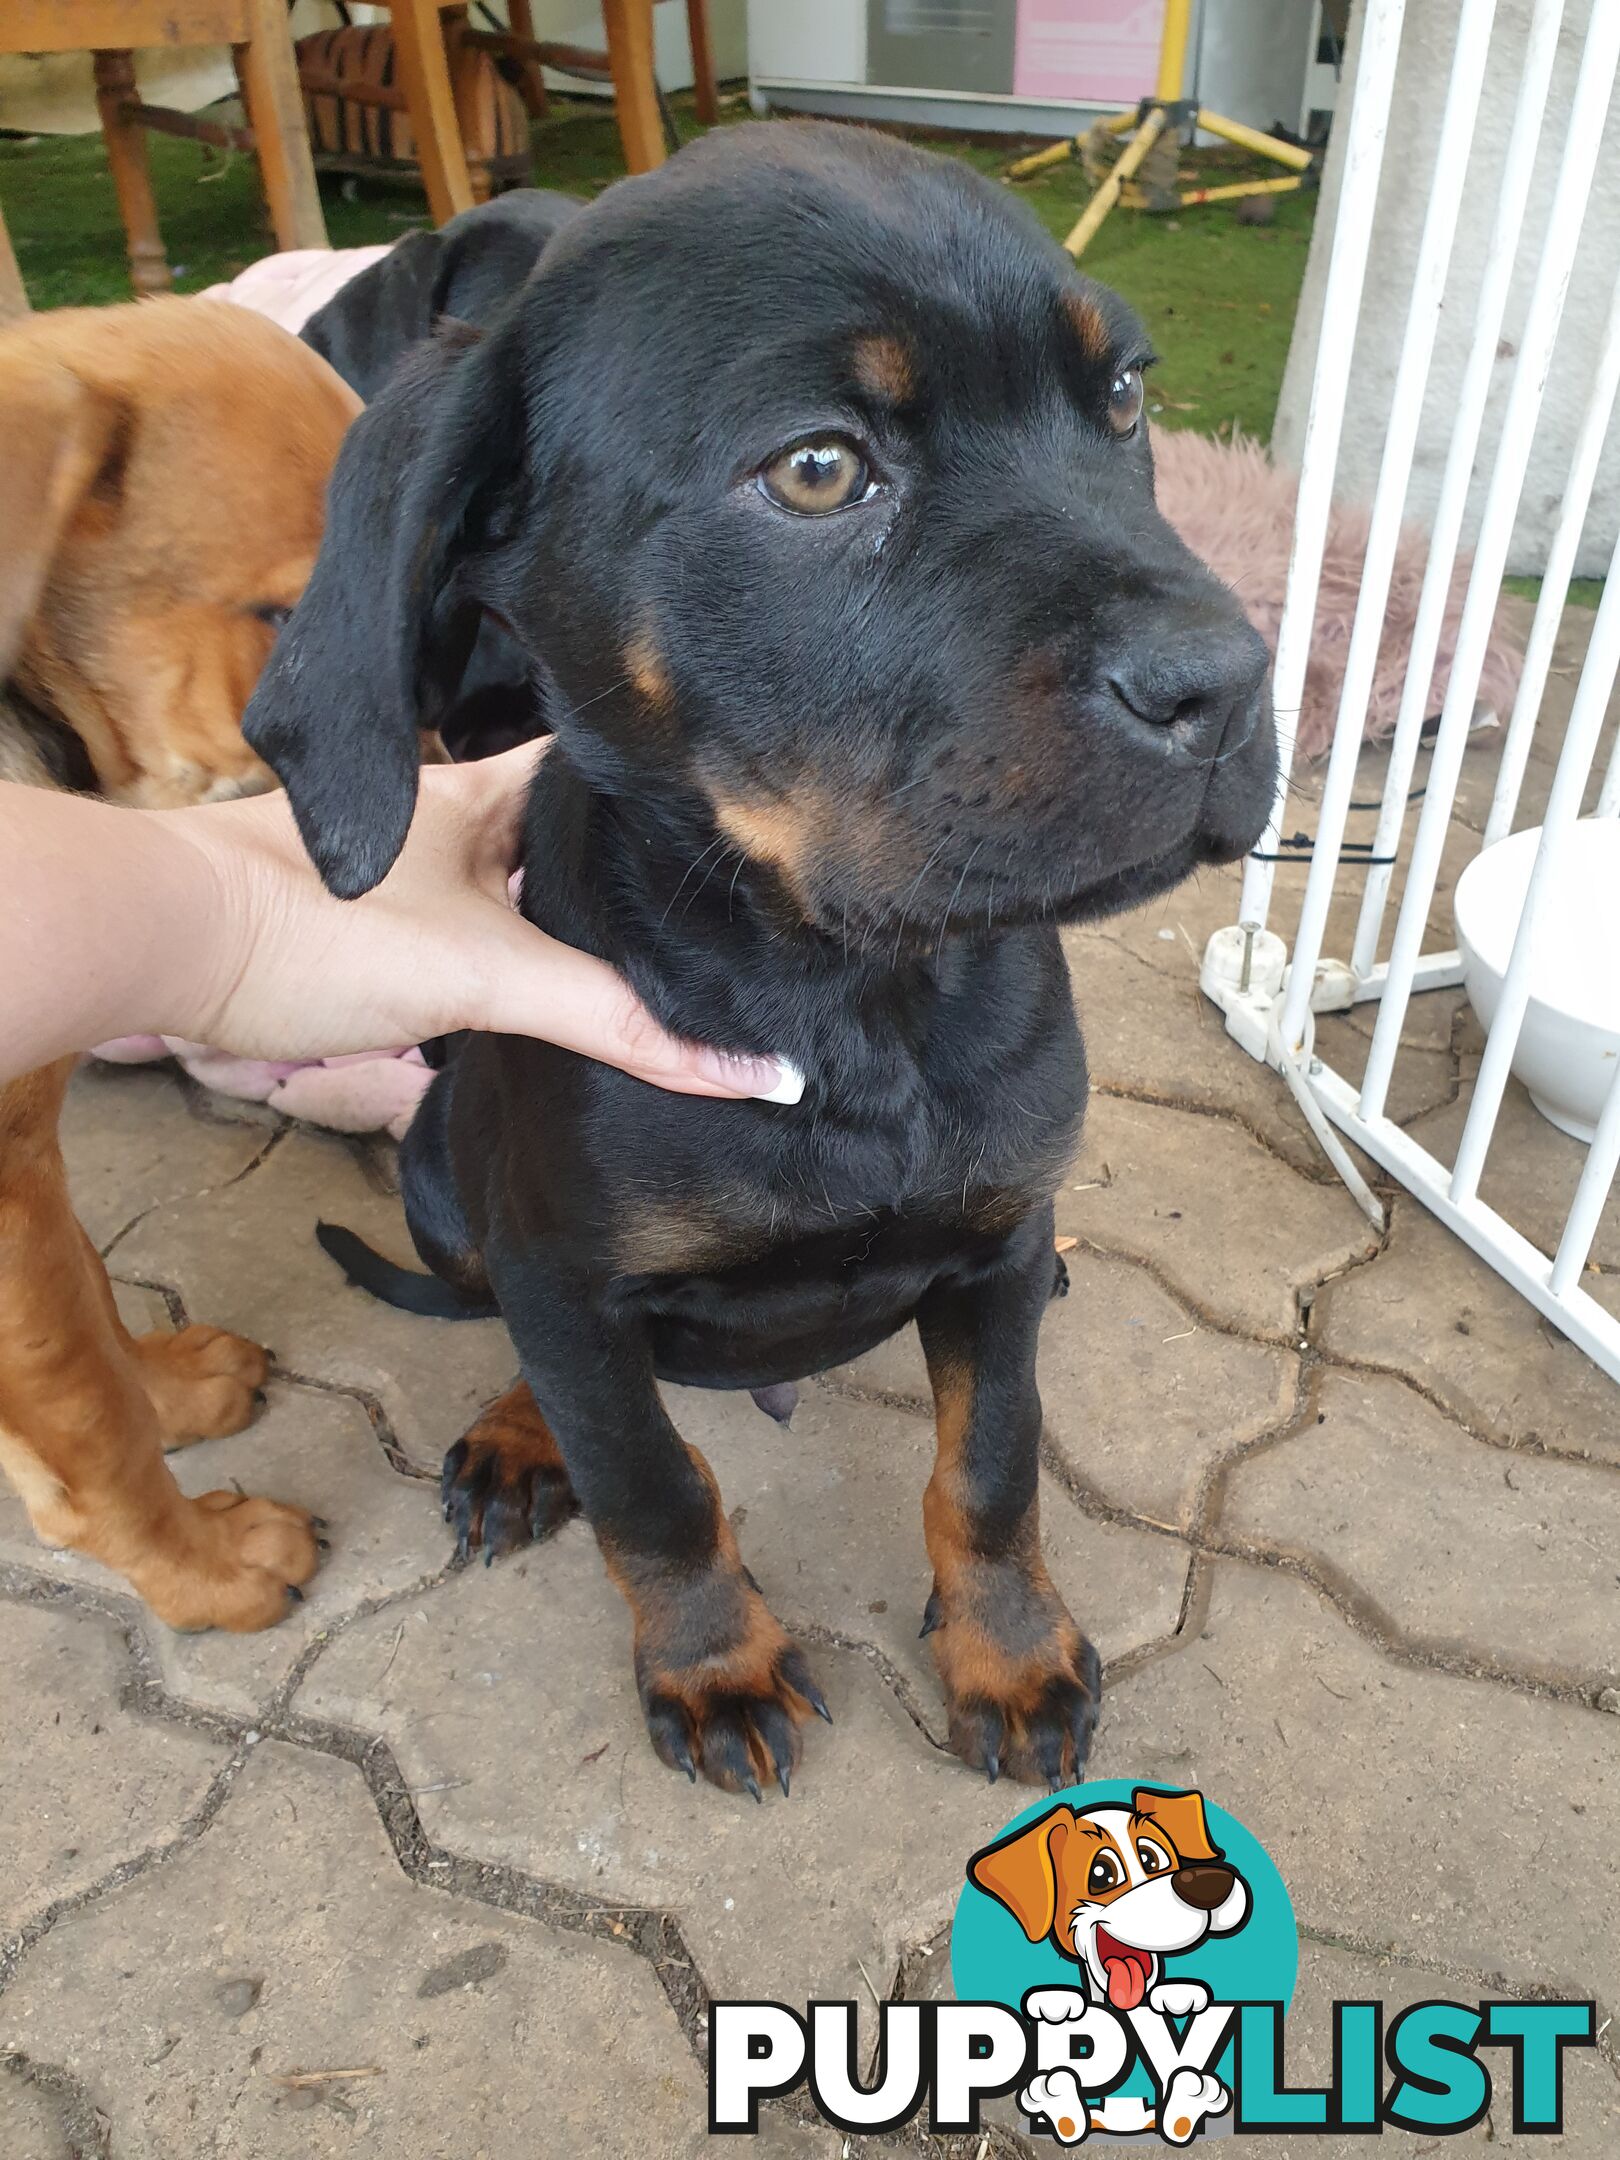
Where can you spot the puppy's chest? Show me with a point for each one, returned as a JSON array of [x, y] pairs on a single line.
[[826, 1195]]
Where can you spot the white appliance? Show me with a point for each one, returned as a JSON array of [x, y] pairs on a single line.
[[1036, 67]]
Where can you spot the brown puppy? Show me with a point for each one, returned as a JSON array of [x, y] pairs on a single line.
[[167, 467]]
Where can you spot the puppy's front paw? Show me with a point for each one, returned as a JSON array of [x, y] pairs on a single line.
[[1056, 2095], [236, 1564], [1021, 1682], [734, 1711], [505, 1484], [203, 1383]]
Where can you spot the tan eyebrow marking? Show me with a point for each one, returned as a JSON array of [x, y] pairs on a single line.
[[883, 367], [1089, 327]]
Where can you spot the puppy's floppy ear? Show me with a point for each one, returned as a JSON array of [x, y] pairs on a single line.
[[59, 438], [1022, 1871], [1181, 1817], [377, 643]]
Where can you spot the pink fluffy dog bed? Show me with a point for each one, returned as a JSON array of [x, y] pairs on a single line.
[[1228, 502]]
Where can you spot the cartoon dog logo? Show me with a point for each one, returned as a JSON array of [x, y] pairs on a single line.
[[1119, 1890]]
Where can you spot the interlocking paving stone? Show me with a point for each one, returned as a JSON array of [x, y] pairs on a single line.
[[1150, 1030], [30, 2127], [1234, 1230], [489, 2035], [1139, 1399], [87, 1786], [1429, 1308], [1457, 1821], [246, 1258], [131, 1142], [511, 1708], [1518, 1555], [316, 1450], [829, 1517]]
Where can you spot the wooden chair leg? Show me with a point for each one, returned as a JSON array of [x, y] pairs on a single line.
[[13, 292], [268, 72], [132, 176], [424, 76], [704, 95], [466, 88], [630, 52], [531, 76]]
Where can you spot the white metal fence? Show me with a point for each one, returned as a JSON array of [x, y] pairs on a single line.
[[1269, 989]]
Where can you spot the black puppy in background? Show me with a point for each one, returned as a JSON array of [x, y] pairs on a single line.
[[466, 271], [813, 478]]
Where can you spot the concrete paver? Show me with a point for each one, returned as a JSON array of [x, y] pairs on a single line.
[[245, 1258], [1429, 1308], [1518, 1552], [188, 2002], [88, 1786], [1189, 1202]]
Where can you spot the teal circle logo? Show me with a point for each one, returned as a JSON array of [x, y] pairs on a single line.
[[1125, 1909]]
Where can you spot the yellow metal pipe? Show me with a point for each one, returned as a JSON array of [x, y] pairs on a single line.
[[1248, 138], [1173, 50], [1038, 160], [1120, 123], [1108, 194], [1193, 196]]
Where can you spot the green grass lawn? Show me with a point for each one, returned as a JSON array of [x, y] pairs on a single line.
[[1218, 298]]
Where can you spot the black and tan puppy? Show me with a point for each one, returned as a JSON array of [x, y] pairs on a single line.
[[813, 477]]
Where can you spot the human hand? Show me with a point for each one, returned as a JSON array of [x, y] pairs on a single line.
[[292, 972]]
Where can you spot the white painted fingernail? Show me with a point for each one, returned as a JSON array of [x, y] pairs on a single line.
[[789, 1086]]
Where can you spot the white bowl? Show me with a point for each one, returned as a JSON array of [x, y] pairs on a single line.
[[1570, 1040]]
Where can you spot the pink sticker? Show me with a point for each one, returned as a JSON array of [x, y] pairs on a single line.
[[1087, 52]]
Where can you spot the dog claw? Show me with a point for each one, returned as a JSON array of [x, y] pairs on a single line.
[[325, 1543], [784, 1781], [295, 1593], [751, 1787], [933, 1616], [992, 1767]]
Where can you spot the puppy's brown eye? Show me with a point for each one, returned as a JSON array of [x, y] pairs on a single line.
[[1154, 1860], [1125, 401], [826, 473], [1106, 1874]]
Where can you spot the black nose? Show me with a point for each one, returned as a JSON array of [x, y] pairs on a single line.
[[1191, 676], [1203, 1888]]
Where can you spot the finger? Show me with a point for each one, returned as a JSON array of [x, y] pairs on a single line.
[[537, 986]]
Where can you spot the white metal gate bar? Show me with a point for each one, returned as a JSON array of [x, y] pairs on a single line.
[[1341, 304], [1513, 195], [1268, 1008], [1555, 580], [1389, 499], [1587, 114]]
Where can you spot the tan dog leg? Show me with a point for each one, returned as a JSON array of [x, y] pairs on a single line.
[[85, 1410]]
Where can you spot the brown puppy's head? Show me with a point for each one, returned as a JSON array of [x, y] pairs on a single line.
[[166, 468]]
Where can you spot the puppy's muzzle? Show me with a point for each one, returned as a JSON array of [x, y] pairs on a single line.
[[1188, 681], [1203, 1888]]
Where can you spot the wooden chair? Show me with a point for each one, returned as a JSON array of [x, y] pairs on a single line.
[[432, 38], [112, 30]]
